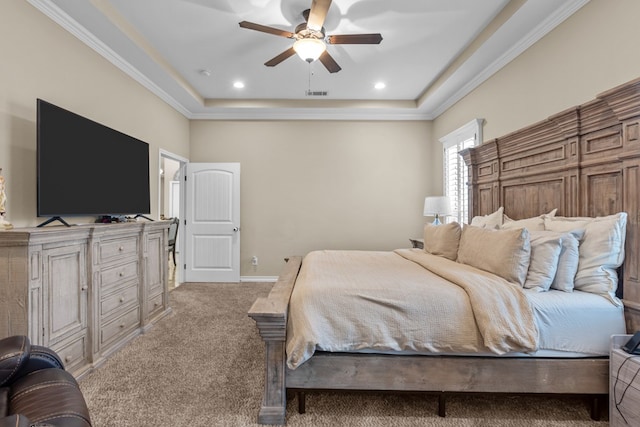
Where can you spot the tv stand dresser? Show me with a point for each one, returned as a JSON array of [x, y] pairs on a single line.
[[84, 290]]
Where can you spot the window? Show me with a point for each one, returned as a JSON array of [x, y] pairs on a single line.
[[455, 170]]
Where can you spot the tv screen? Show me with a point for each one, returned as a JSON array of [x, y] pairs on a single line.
[[86, 168]]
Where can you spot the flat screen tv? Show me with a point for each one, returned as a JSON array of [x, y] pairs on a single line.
[[88, 169]]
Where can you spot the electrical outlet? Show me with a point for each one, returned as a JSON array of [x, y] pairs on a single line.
[[254, 260]]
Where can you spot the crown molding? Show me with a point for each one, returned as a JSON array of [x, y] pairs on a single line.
[[424, 112], [523, 44], [81, 33]]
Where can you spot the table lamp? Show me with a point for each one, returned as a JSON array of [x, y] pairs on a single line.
[[437, 206]]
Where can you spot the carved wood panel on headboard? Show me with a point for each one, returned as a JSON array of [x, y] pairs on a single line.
[[584, 161]]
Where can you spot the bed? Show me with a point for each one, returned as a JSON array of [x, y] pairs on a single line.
[[580, 164]]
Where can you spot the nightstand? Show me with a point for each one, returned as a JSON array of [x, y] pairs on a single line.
[[624, 384], [417, 243]]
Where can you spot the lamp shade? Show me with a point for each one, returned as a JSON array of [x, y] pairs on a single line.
[[437, 206], [309, 49]]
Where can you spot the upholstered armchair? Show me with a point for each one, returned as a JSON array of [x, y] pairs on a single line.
[[35, 389]]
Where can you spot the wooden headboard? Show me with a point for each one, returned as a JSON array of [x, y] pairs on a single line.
[[584, 161]]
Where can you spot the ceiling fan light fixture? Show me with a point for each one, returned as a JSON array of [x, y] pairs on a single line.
[[309, 49]]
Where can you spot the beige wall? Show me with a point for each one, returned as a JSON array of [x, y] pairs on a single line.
[[42, 60], [309, 185], [305, 184], [592, 51]]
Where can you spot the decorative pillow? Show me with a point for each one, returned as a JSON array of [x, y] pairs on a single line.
[[442, 240], [531, 224], [568, 260], [505, 253], [601, 251], [545, 252], [491, 221]]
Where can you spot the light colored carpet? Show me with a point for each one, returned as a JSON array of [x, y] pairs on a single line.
[[203, 366]]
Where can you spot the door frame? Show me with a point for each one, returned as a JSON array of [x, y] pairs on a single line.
[[164, 154]]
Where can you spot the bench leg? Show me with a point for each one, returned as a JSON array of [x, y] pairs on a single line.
[[596, 408], [442, 408], [301, 402]]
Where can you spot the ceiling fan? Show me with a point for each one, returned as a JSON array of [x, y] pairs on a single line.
[[310, 37]]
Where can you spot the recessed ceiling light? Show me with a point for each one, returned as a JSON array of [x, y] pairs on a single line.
[[238, 85], [380, 85]]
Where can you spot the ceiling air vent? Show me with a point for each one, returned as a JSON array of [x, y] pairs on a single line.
[[316, 93]]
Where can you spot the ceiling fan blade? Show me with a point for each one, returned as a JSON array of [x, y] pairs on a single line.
[[329, 63], [278, 59], [355, 39], [265, 29], [317, 14]]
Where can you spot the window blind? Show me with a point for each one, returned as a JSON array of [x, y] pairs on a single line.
[[455, 171]]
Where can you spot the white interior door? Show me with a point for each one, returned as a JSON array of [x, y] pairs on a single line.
[[212, 228]]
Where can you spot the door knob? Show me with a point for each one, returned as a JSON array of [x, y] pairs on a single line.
[[236, 228]]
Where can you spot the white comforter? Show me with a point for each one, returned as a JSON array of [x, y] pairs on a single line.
[[406, 300]]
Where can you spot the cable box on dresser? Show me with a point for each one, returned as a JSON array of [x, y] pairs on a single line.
[[83, 291]]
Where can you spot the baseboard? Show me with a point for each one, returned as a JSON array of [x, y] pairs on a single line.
[[258, 278]]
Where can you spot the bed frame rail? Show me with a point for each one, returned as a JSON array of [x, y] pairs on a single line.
[[450, 374], [444, 375]]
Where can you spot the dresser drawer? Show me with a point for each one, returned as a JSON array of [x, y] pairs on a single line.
[[624, 385], [155, 289], [155, 304], [73, 352], [625, 402], [120, 326], [118, 301], [111, 250], [625, 366], [112, 276]]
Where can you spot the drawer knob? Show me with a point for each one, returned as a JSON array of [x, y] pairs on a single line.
[[121, 325], [67, 358], [155, 304], [121, 299], [84, 288], [121, 249], [121, 274]]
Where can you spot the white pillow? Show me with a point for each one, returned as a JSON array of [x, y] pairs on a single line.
[[531, 224], [545, 252], [442, 240], [505, 253], [601, 251], [568, 260], [491, 221]]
